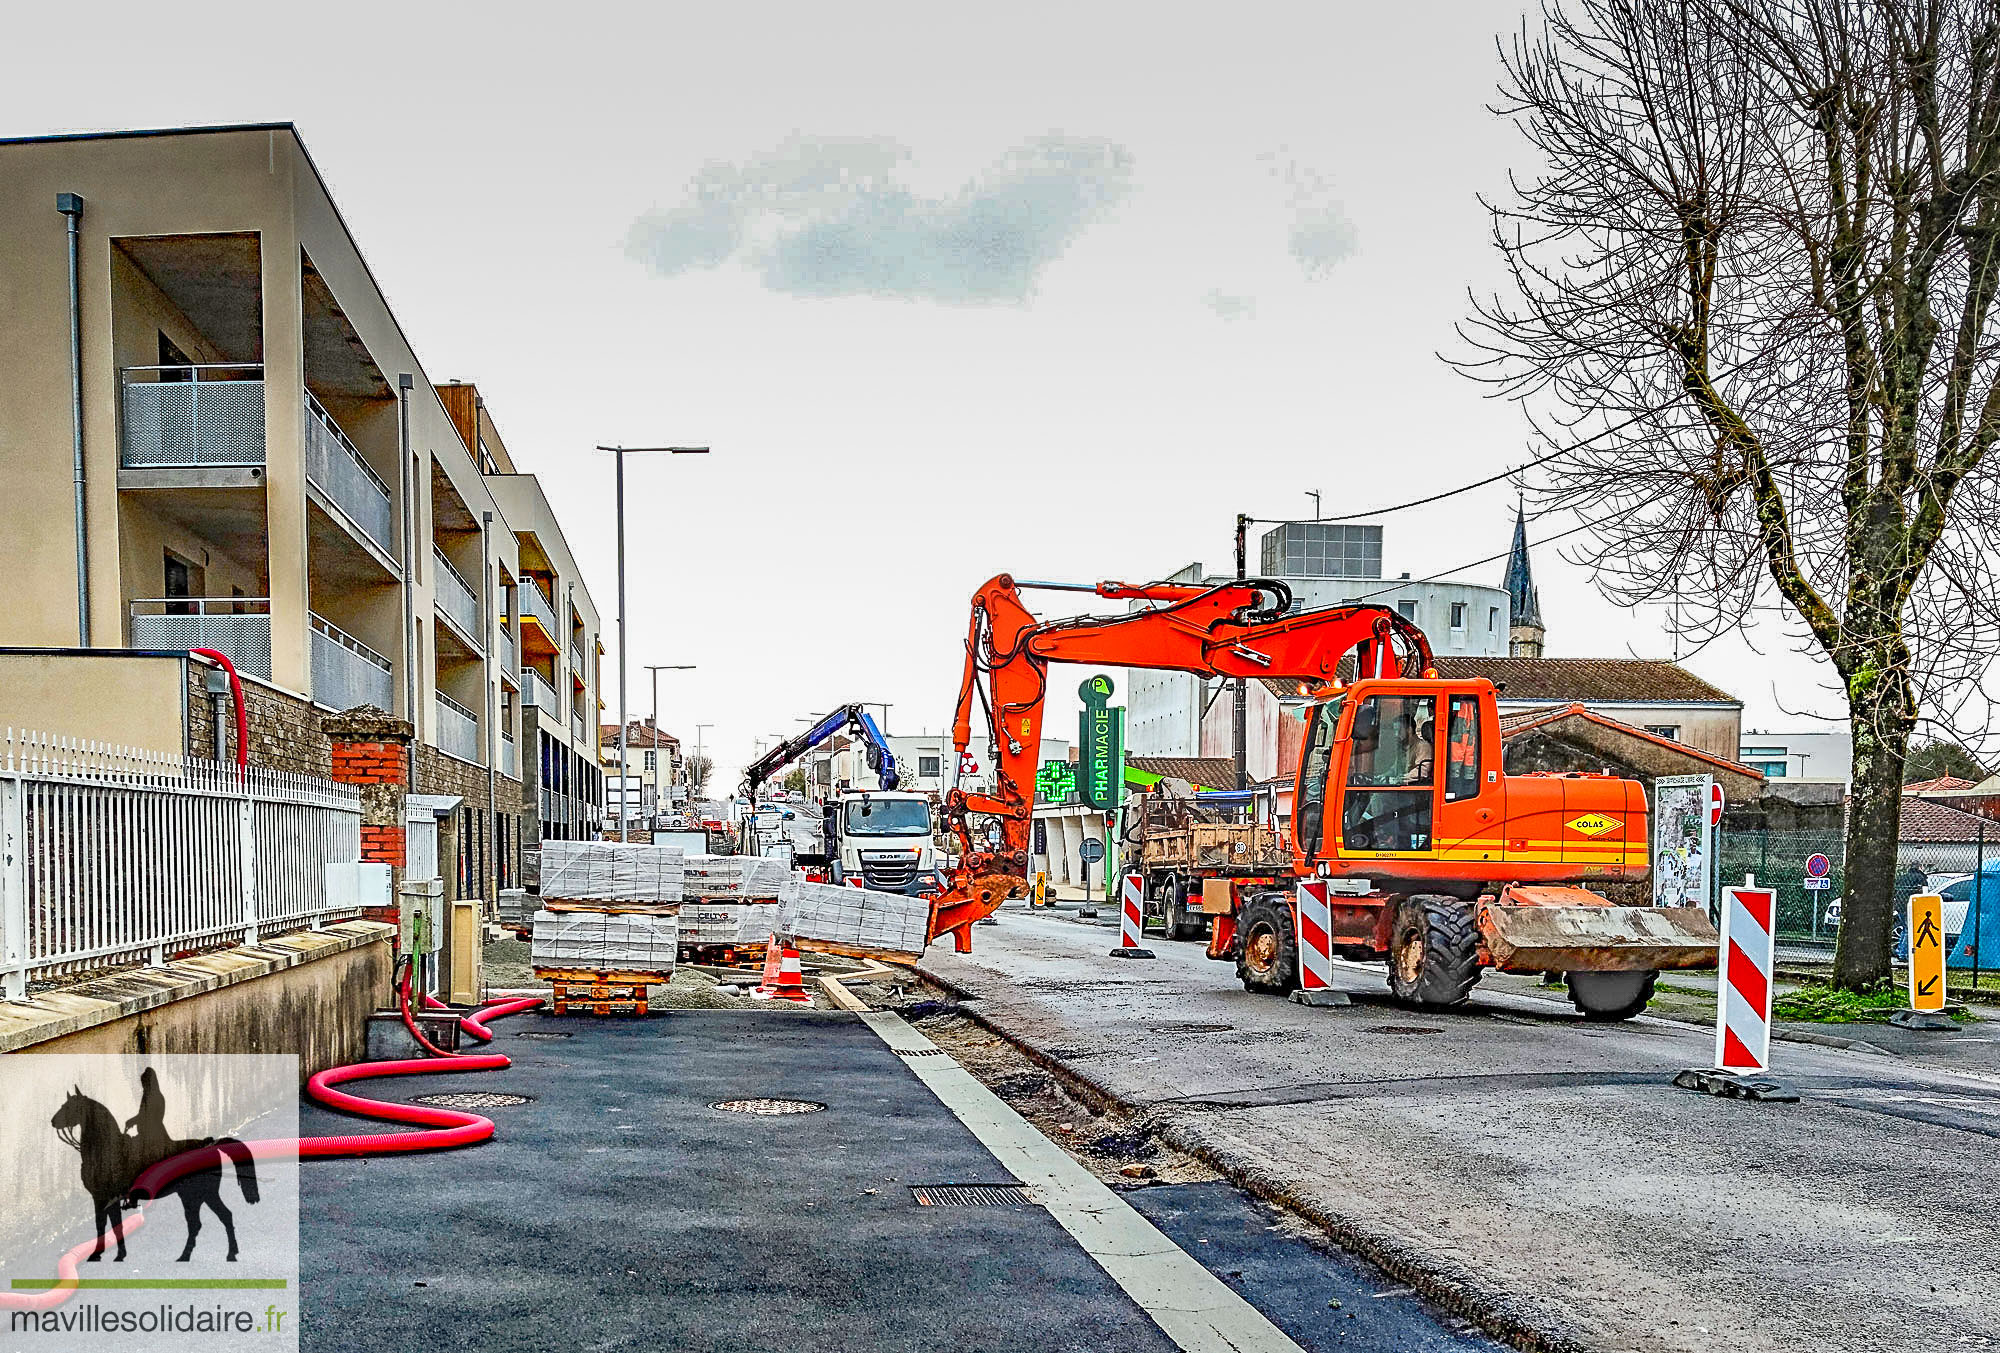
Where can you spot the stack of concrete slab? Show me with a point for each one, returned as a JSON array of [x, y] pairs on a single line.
[[603, 941], [853, 918], [711, 922], [612, 871], [732, 876]]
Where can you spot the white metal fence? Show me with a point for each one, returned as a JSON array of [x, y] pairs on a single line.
[[113, 855]]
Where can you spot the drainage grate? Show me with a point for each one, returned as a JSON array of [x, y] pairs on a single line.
[[920, 1052], [768, 1108], [970, 1195], [544, 1034], [1192, 1028], [464, 1100], [1402, 1029]]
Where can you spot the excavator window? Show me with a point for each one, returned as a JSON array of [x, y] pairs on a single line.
[[1461, 766], [1315, 766], [1391, 770]]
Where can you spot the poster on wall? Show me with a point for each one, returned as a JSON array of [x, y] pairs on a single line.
[[1683, 841]]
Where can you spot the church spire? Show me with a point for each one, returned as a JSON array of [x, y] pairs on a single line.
[[1524, 603]]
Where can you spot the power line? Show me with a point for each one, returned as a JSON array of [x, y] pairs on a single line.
[[1414, 502], [1442, 574]]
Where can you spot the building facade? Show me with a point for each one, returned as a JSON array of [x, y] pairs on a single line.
[[244, 454]]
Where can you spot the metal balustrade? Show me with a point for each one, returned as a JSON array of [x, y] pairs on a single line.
[[537, 607], [458, 730], [121, 855], [336, 468], [508, 656], [536, 691], [238, 627], [456, 598], [204, 414], [346, 672], [509, 764]]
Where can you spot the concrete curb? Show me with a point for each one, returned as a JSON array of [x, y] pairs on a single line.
[[1456, 1287]]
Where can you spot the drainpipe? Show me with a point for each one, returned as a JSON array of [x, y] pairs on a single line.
[[71, 206], [404, 384], [492, 705]]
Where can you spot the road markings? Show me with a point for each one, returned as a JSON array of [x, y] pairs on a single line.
[[1192, 1306]]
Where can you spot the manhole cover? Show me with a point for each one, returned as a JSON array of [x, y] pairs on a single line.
[[474, 1101], [970, 1195], [769, 1108], [544, 1035], [1402, 1029], [1192, 1028]]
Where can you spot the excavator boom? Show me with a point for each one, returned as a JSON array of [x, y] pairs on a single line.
[[1237, 629]]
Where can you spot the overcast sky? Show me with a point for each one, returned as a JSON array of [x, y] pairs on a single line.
[[1051, 289]]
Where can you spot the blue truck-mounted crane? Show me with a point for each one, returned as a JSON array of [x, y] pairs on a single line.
[[881, 837]]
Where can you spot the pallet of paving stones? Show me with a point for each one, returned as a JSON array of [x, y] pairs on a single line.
[[732, 876], [853, 919], [602, 940], [611, 871]]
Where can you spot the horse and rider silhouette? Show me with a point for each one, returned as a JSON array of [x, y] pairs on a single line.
[[114, 1157]]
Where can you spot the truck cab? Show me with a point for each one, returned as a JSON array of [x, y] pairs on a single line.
[[884, 838]]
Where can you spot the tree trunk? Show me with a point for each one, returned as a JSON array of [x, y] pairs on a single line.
[[1874, 828]]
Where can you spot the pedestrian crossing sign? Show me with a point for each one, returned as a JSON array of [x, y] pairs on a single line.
[[1926, 934]]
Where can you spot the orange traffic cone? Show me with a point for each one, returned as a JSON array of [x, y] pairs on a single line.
[[783, 980]]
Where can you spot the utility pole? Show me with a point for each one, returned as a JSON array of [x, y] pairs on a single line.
[[656, 669], [624, 726], [1242, 729]]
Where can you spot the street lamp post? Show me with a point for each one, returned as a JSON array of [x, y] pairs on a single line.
[[698, 730], [619, 453]]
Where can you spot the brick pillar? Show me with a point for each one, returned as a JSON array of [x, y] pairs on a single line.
[[371, 750]]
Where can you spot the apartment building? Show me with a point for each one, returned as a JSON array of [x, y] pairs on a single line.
[[242, 452], [652, 773]]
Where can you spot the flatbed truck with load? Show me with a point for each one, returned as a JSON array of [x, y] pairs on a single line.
[[1436, 862]]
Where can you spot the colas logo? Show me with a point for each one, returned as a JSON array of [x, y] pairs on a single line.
[[1593, 824]]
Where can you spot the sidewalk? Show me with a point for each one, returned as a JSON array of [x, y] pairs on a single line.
[[620, 1210]]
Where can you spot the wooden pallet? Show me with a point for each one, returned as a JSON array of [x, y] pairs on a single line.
[[587, 991]]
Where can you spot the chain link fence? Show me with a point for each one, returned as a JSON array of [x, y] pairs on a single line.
[[1809, 911]]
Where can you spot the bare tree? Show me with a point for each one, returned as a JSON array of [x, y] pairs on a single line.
[[699, 767], [1753, 279]]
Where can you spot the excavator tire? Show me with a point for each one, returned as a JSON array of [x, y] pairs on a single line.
[[1604, 997], [1267, 946], [1433, 951]]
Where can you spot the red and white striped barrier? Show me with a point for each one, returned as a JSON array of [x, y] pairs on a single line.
[[1744, 994], [1315, 925], [1132, 918]]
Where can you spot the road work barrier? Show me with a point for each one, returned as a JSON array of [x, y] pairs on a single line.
[[1132, 918], [1743, 996], [1313, 921]]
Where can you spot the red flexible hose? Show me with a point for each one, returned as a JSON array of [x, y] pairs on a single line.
[[242, 713], [441, 1130]]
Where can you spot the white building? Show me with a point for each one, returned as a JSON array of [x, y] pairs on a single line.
[[1819, 754], [1324, 565]]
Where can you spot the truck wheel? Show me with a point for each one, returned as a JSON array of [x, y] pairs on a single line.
[[1603, 997], [1267, 952], [1193, 924], [1170, 908], [1433, 951]]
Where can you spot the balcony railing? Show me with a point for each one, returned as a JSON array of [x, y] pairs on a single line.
[[457, 730], [182, 416], [456, 598], [537, 692], [576, 727], [581, 665], [337, 469], [508, 764], [238, 627], [508, 656], [538, 608], [347, 673]]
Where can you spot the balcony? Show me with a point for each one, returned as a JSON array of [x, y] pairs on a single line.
[[177, 417], [337, 470], [536, 606], [457, 730], [509, 766], [508, 658], [456, 598], [576, 727], [237, 627], [537, 692], [347, 673], [578, 663]]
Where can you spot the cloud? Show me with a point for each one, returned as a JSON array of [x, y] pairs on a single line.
[[1230, 307], [827, 216], [1320, 235]]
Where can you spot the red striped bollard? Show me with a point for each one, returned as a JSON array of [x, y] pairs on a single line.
[[1743, 996], [1313, 918], [1132, 919]]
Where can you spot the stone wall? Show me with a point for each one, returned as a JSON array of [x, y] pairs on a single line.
[[284, 729]]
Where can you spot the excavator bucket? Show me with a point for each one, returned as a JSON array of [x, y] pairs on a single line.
[[1571, 930]]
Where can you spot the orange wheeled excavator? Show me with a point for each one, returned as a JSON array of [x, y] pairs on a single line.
[[1438, 861]]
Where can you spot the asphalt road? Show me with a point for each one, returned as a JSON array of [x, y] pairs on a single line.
[[1544, 1170]]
